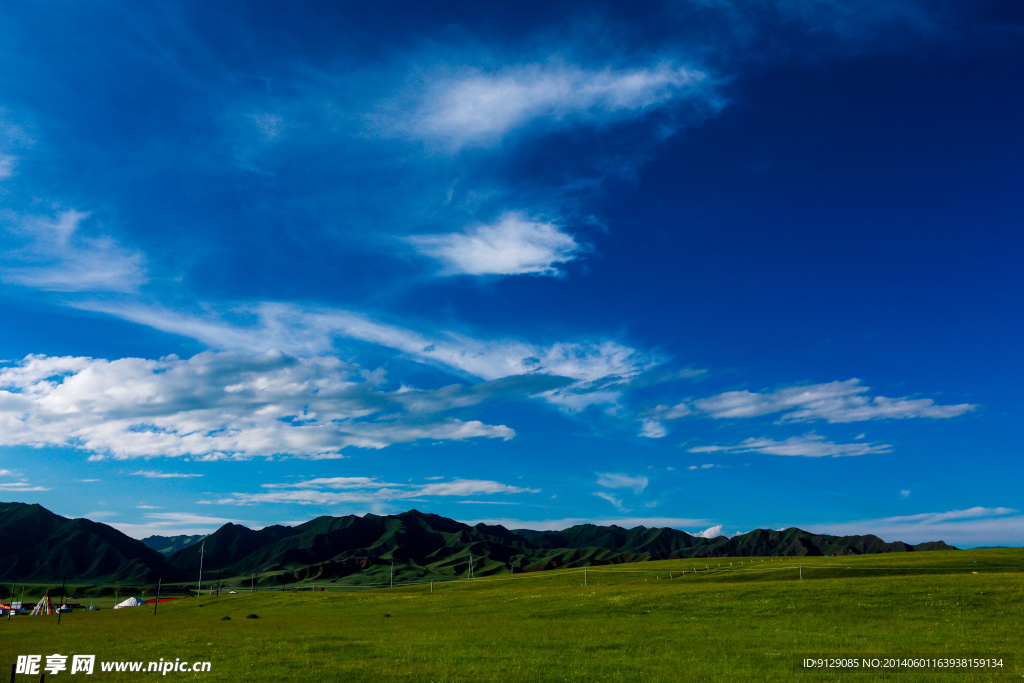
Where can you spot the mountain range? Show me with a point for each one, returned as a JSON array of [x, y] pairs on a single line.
[[39, 545]]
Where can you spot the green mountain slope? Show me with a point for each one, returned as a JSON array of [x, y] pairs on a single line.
[[40, 545], [168, 545], [668, 543]]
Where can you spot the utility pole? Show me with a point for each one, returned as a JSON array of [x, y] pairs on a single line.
[[392, 573], [63, 593], [158, 582], [199, 586], [252, 583]]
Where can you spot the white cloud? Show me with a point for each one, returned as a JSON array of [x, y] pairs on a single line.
[[905, 493], [977, 526], [474, 108], [486, 502], [706, 466], [20, 487], [366, 490], [711, 532], [593, 371], [622, 481], [652, 429], [53, 254], [514, 245], [808, 446], [173, 524], [304, 331], [153, 474], [651, 425], [7, 162], [268, 126], [611, 499], [212, 406], [335, 483], [834, 402], [468, 487]]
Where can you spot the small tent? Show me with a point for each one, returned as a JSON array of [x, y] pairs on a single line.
[[130, 602], [44, 606]]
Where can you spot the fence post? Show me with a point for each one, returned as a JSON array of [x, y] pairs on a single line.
[[801, 572]]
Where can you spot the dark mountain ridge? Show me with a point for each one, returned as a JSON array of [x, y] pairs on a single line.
[[41, 545]]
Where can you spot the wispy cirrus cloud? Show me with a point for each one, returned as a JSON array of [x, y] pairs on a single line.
[[513, 245], [20, 487], [53, 254], [614, 500], [155, 474], [472, 107], [306, 331], [173, 524], [7, 162], [610, 480], [834, 402], [808, 446], [366, 490], [976, 526], [652, 424]]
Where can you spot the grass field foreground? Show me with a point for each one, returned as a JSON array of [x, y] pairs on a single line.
[[748, 620]]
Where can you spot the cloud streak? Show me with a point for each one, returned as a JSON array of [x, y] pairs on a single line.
[[212, 406], [477, 108], [53, 254], [833, 402], [513, 245], [806, 446], [154, 474], [338, 490], [172, 524], [976, 526], [622, 481]]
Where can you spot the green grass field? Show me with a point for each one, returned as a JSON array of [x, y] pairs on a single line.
[[748, 620]]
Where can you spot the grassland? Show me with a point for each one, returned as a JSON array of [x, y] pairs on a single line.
[[748, 619]]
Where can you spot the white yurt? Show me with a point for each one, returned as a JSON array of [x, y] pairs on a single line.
[[130, 602]]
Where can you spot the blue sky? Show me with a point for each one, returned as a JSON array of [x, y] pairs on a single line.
[[711, 264]]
